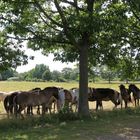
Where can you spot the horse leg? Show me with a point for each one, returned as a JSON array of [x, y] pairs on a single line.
[[121, 105], [138, 101], [16, 110], [54, 107], [38, 110], [115, 103], [135, 102], [125, 104], [101, 105], [11, 109], [43, 109], [31, 110], [50, 109], [21, 108], [28, 110], [97, 104]]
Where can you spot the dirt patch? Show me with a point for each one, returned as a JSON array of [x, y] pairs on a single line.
[[132, 132]]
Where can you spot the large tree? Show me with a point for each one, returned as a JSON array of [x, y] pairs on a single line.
[[72, 30]]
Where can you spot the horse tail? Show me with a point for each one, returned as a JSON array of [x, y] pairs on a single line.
[[130, 100], [5, 102], [15, 103]]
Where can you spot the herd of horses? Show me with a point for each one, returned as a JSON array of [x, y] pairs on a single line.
[[44, 99]]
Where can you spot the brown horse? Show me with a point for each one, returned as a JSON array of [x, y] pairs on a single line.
[[125, 95], [91, 97], [105, 94], [68, 99], [8, 102], [34, 98], [30, 108], [136, 93]]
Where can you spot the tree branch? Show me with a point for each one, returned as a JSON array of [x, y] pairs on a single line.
[[46, 15], [65, 24], [48, 24], [74, 4]]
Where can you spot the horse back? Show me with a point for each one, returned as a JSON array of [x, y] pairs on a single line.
[[105, 94]]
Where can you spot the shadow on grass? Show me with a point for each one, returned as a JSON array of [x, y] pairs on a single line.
[[102, 125]]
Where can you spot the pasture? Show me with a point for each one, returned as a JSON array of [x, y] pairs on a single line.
[[103, 125]]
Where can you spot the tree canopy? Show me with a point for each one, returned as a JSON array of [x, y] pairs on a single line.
[[89, 31]]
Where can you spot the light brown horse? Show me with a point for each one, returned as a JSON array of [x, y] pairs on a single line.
[[43, 98], [30, 108]]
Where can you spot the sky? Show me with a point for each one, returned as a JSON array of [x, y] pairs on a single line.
[[39, 58]]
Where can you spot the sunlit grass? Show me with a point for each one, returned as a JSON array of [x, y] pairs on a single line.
[[102, 123], [8, 86]]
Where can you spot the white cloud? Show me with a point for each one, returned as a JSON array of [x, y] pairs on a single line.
[[41, 59]]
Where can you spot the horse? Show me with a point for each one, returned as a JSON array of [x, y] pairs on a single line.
[[43, 98], [9, 105], [65, 99], [30, 108], [136, 93], [125, 93], [105, 94], [92, 98], [8, 102], [75, 97]]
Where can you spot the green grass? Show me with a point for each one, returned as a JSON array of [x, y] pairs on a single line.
[[105, 124], [12, 86], [102, 124]]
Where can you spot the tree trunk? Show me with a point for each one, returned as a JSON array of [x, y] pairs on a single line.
[[83, 109]]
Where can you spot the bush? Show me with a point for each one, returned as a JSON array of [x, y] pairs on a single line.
[[66, 114]]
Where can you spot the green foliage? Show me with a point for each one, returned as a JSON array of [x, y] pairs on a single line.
[[7, 74], [65, 114], [47, 75], [10, 56], [111, 26], [97, 31]]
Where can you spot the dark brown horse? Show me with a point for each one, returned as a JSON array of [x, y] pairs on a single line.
[[105, 94], [125, 93], [136, 93], [8, 102], [26, 99], [91, 97]]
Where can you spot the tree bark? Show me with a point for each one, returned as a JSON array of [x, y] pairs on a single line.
[[83, 108]]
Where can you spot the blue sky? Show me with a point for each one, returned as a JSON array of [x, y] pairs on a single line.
[[41, 59]]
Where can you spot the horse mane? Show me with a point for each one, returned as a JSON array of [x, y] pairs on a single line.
[[122, 86], [134, 86]]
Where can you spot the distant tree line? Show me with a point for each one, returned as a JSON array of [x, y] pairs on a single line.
[[42, 72]]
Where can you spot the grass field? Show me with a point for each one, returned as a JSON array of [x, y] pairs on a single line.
[[103, 125]]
